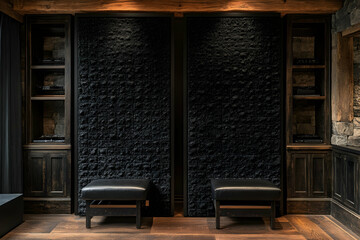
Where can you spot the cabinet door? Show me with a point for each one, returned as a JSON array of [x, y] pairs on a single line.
[[35, 174], [56, 172], [299, 175], [318, 175], [339, 171], [351, 169]]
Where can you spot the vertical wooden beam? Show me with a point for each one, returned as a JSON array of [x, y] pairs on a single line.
[[343, 82]]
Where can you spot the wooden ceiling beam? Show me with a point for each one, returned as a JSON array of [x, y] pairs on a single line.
[[81, 6], [7, 7]]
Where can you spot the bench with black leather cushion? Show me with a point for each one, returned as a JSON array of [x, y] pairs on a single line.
[[244, 190], [111, 197]]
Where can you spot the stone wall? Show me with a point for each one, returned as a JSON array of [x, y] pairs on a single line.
[[348, 133], [347, 16], [234, 103]]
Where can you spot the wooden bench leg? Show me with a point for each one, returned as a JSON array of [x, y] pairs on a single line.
[[217, 213], [272, 217], [88, 216], [138, 214]]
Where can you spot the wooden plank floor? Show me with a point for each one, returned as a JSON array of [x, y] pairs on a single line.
[[295, 227]]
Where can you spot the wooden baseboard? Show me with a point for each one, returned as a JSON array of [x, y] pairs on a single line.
[[309, 206], [346, 216], [47, 206]]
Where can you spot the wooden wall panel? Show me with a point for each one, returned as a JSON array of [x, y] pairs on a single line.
[[76, 6]]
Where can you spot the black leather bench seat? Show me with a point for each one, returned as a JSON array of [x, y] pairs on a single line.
[[244, 189], [116, 189]]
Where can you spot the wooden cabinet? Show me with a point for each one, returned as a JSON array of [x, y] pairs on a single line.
[[309, 175], [47, 173], [308, 114], [309, 181], [47, 148]]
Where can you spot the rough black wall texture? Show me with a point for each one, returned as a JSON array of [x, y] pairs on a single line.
[[233, 103], [124, 77]]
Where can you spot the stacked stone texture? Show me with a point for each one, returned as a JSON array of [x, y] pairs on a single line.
[[124, 72], [347, 16], [234, 100]]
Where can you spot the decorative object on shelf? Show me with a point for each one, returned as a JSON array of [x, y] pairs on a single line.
[[307, 138], [49, 138], [306, 61], [307, 90]]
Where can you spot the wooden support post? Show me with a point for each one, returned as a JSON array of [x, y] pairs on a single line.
[[217, 213], [88, 216], [272, 216], [138, 214]]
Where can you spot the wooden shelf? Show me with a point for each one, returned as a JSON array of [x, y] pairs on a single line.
[[308, 97], [48, 67], [308, 66], [308, 146], [48, 97], [46, 146]]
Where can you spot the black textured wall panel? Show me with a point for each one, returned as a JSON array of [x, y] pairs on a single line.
[[124, 77], [233, 103]]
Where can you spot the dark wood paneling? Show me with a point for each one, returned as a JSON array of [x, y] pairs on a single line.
[[350, 180], [302, 206], [300, 174], [309, 174], [35, 174], [338, 175], [345, 206], [348, 218], [53, 206], [346, 178], [47, 174], [317, 162], [57, 174]]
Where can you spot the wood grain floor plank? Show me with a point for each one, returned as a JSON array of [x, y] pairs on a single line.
[[36, 226], [105, 225], [238, 226], [259, 237], [307, 228], [291, 227], [186, 225], [334, 230], [106, 236]]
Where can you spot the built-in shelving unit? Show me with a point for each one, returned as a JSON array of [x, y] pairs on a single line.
[[308, 115], [47, 150]]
